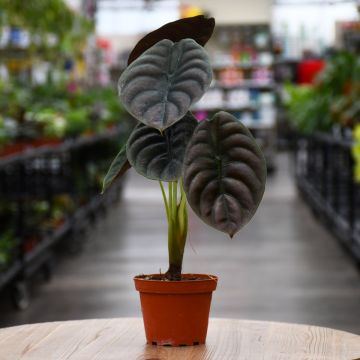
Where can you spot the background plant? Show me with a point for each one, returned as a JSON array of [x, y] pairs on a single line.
[[51, 111], [333, 102]]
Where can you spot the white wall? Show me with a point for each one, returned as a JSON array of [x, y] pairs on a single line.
[[74, 4], [235, 11], [114, 18], [310, 26], [305, 26]]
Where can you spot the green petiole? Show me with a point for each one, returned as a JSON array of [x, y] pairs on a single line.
[[177, 217]]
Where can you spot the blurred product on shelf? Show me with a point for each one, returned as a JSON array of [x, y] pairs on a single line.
[[47, 114], [230, 76], [243, 83], [309, 69]]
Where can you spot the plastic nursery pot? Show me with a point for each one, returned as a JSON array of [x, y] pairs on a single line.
[[176, 313]]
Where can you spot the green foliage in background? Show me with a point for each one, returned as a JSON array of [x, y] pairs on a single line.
[[356, 152], [44, 18], [320, 107], [307, 110], [53, 111], [4, 138], [333, 101], [77, 122], [7, 245]]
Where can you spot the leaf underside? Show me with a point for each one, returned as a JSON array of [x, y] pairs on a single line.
[[160, 156], [224, 173], [117, 168], [159, 87], [198, 28]]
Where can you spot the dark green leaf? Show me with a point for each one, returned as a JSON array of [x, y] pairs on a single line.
[[160, 156], [197, 27], [159, 87], [224, 173], [117, 168]]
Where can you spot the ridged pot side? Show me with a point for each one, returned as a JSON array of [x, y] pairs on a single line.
[[176, 313]]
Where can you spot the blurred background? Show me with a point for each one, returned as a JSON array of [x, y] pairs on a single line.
[[288, 69]]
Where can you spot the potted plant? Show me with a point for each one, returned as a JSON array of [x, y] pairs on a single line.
[[215, 166]]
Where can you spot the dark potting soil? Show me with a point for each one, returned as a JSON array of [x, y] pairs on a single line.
[[162, 277]]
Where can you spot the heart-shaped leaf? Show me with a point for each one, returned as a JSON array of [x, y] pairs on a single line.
[[224, 173], [160, 156], [117, 168], [159, 87], [197, 27]]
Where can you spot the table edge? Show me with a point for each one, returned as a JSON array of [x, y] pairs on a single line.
[[211, 320]]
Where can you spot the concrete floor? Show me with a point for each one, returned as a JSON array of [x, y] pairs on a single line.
[[283, 266]]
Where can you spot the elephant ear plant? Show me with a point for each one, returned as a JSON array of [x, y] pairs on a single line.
[[215, 166]]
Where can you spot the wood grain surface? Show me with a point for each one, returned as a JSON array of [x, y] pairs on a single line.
[[124, 339]]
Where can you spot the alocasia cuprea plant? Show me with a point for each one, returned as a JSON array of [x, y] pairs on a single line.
[[215, 166]]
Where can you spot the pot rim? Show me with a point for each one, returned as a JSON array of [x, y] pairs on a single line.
[[207, 283], [203, 277]]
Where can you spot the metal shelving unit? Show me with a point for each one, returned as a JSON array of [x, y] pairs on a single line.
[[324, 176], [37, 177]]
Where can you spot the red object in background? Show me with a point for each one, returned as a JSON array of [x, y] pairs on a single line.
[[71, 87], [46, 142], [29, 244], [231, 76], [21, 146], [308, 70], [103, 43], [15, 148]]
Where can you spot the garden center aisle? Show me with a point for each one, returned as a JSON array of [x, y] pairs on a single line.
[[282, 266]]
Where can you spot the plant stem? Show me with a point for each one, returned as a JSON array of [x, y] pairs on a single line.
[[177, 227], [165, 200], [174, 197]]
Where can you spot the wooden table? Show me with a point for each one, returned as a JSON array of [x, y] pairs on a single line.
[[124, 339]]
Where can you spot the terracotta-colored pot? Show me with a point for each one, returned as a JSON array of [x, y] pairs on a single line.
[[176, 313]]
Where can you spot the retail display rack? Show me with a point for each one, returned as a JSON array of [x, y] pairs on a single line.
[[243, 84], [324, 176], [49, 196]]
